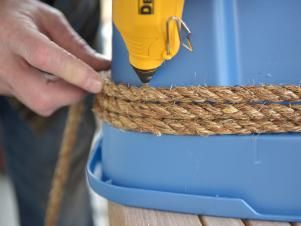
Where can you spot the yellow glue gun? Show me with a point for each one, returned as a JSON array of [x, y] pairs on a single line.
[[152, 31]]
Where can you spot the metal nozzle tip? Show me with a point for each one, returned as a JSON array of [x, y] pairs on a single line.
[[145, 75]]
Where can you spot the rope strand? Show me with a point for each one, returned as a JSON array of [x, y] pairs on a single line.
[[63, 165], [216, 94], [201, 110]]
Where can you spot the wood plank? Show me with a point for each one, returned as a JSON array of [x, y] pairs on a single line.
[[296, 224], [220, 221], [128, 216], [266, 223]]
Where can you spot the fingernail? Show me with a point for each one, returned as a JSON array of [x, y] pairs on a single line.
[[95, 85], [101, 56]]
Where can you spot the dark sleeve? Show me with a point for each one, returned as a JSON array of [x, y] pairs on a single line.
[[83, 15]]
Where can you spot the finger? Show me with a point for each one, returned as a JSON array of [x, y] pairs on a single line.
[[44, 98], [45, 55], [8, 63], [4, 88], [60, 31]]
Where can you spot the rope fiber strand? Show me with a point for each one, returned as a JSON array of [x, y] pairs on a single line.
[[201, 110], [62, 168], [216, 94]]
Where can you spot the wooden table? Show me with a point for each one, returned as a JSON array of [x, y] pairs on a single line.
[[128, 216]]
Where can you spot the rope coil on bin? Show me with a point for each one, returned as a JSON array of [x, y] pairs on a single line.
[[198, 110], [201, 110]]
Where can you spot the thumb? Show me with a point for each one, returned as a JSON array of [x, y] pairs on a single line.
[[59, 30]]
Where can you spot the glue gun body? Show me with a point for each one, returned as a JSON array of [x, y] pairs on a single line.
[[150, 30]]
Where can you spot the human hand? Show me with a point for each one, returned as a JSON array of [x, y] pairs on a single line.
[[36, 38]]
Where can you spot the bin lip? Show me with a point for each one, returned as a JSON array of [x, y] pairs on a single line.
[[170, 201]]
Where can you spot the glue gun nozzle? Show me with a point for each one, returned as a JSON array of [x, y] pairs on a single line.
[[145, 75]]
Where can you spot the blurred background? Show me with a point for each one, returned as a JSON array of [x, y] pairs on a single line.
[[8, 209]]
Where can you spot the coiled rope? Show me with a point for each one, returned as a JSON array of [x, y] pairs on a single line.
[[201, 110]]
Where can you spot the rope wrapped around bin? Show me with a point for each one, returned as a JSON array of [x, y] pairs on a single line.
[[196, 110], [201, 110]]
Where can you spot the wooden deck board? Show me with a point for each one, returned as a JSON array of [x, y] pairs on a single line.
[[219, 221], [128, 216], [266, 223]]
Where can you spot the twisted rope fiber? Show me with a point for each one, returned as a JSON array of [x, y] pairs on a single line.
[[62, 168], [201, 110], [216, 94]]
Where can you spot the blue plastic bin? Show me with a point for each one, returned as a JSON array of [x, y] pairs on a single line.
[[245, 42]]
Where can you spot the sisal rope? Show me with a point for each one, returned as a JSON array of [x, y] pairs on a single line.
[[201, 110], [62, 168], [216, 94]]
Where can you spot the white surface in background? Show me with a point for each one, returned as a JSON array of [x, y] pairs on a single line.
[[100, 210], [99, 204], [106, 29], [8, 213]]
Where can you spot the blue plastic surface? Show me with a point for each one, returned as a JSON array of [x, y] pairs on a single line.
[[245, 42], [185, 200]]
